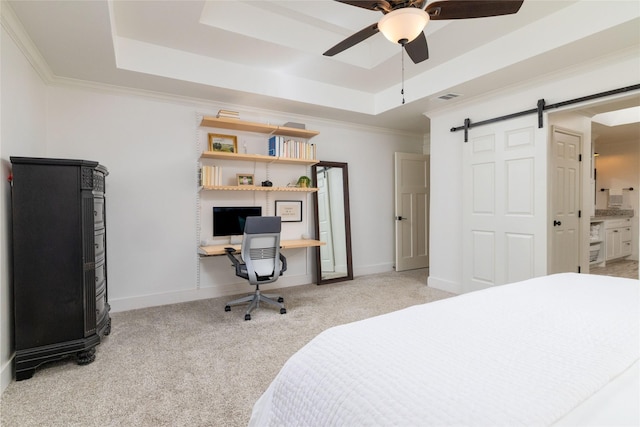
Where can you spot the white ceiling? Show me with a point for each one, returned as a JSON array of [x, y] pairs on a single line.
[[268, 54]]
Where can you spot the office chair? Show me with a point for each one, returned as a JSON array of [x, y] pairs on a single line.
[[260, 261]]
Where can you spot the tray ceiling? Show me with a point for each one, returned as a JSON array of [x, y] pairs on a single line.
[[268, 54]]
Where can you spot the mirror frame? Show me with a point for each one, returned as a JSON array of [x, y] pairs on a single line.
[[347, 219]]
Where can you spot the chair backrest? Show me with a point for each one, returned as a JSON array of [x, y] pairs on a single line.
[[261, 248]]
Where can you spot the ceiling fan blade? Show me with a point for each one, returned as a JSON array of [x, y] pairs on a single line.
[[417, 49], [463, 9], [353, 40], [418, 3], [369, 4]]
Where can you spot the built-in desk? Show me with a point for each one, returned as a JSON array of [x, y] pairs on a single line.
[[284, 244]]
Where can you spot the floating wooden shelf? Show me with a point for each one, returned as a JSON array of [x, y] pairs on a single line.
[[222, 155], [284, 244], [240, 125], [258, 188]]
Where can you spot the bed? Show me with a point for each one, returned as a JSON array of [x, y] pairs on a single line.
[[556, 350]]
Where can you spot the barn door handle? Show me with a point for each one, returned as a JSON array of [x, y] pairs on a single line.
[[556, 223]]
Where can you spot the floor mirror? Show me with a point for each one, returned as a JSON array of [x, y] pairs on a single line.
[[333, 226]]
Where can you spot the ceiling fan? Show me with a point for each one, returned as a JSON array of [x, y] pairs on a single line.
[[404, 20]]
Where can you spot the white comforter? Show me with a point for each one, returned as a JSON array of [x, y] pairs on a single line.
[[521, 354]]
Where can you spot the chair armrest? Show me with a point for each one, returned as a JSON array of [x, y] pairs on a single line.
[[241, 267], [230, 251], [231, 255]]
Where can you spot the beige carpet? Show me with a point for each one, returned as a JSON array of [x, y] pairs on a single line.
[[192, 364]]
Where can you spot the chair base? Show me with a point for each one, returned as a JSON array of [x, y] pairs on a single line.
[[254, 301]]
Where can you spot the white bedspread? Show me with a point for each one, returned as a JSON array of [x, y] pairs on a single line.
[[521, 354]]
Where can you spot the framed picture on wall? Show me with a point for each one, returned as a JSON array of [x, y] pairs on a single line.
[[225, 143], [289, 210]]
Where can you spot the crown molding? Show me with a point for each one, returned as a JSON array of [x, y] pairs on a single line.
[[210, 107], [625, 54], [23, 41], [18, 34]]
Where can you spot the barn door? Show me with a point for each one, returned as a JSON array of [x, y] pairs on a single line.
[[504, 200]]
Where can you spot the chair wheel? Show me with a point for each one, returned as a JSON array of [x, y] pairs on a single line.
[[283, 310], [247, 317], [227, 308], [280, 299]]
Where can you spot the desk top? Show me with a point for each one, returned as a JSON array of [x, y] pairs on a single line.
[[284, 244]]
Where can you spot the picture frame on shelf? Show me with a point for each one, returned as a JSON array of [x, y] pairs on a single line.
[[289, 210], [223, 143], [245, 180]]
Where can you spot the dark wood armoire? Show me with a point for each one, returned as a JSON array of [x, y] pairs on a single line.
[[59, 255]]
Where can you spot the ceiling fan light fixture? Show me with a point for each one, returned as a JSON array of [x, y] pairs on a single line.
[[403, 25]]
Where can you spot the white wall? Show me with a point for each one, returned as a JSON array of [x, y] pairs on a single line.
[[617, 166], [149, 147], [446, 149], [23, 119], [149, 150]]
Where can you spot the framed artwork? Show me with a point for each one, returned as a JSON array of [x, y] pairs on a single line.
[[244, 179], [289, 210], [225, 143]]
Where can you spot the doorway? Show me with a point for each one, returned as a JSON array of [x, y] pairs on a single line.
[[565, 185], [411, 211], [616, 164], [611, 160]]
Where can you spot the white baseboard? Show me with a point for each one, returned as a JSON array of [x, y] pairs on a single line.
[[6, 374], [373, 269], [444, 285], [152, 300], [143, 301]]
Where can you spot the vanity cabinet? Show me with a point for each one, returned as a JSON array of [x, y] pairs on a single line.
[[597, 244], [617, 238]]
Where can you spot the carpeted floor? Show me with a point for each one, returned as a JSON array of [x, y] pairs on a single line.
[[192, 364]]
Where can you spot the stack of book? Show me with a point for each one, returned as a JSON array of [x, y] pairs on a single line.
[[279, 146], [210, 176], [228, 114]]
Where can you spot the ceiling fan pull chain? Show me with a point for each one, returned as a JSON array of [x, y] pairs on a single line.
[[402, 88]]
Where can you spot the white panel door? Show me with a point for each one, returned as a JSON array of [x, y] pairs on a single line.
[[565, 188], [504, 203], [412, 211]]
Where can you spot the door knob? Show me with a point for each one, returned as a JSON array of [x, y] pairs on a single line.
[[556, 223], [400, 218]]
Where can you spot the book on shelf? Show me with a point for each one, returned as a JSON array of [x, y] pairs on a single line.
[[279, 146], [228, 114], [295, 125], [210, 176]]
